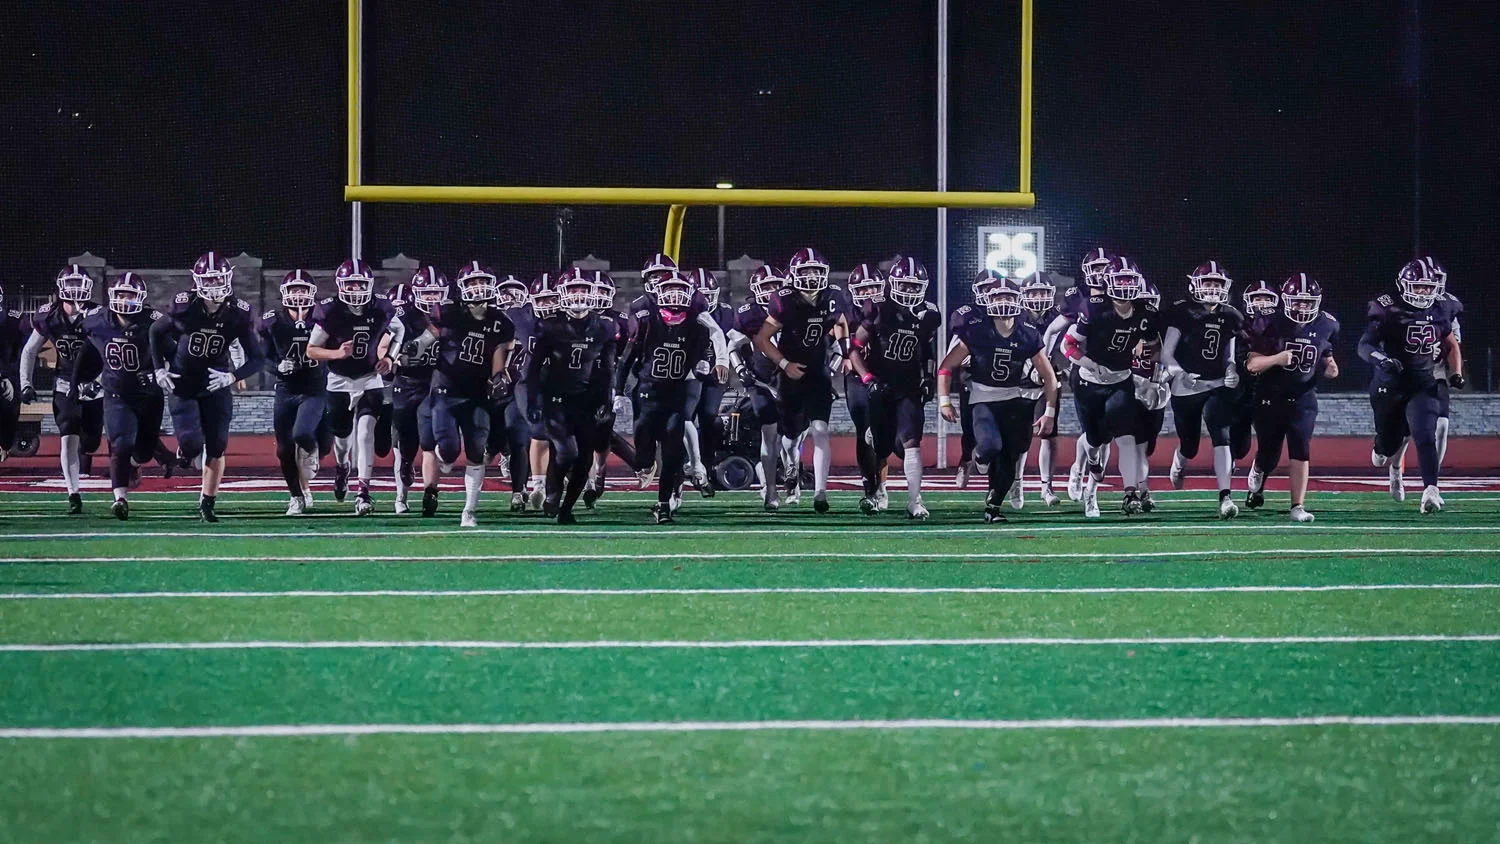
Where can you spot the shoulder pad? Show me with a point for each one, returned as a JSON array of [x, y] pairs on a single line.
[[832, 286], [46, 308], [182, 298], [642, 314], [1071, 291], [242, 305], [745, 308], [87, 311], [1150, 308], [1100, 299], [963, 311], [382, 296], [1385, 300]]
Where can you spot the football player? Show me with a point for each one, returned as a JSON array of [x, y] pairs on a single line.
[[999, 346], [544, 306], [1199, 353], [10, 355], [668, 348], [607, 439], [806, 320], [510, 433], [702, 428], [894, 356], [1075, 299], [77, 408], [1039, 298], [414, 303], [473, 337], [354, 333], [1449, 368], [1109, 331], [757, 373], [1403, 339], [301, 400], [1151, 396], [866, 286], [191, 349], [119, 348], [568, 376], [1290, 352], [1260, 299]]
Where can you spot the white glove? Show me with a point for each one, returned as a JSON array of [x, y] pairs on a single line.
[[1232, 377], [218, 379], [286, 366], [166, 379], [7, 390], [702, 367], [620, 403], [1187, 381]]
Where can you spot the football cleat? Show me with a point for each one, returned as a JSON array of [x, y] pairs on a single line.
[[1254, 499], [135, 477], [294, 506], [820, 503], [363, 506], [961, 479], [1257, 494], [592, 490], [1227, 508], [502, 465], [399, 505], [992, 513], [1398, 484], [794, 491], [566, 517], [75, 504], [882, 498], [1017, 497], [466, 519], [675, 502], [699, 477], [1176, 472], [340, 483], [771, 500], [535, 495], [307, 499], [1075, 483], [916, 512], [1091, 498], [1432, 500], [206, 511], [408, 480], [551, 507], [121, 509], [1049, 498], [661, 515], [867, 505], [1300, 515], [518, 502], [1147, 502], [1131, 503], [429, 502], [646, 477]]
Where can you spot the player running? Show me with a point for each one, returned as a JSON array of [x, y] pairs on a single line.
[[11, 342], [1290, 352], [866, 286], [301, 397], [414, 303], [191, 349], [702, 428], [1039, 299], [757, 373], [1075, 299]]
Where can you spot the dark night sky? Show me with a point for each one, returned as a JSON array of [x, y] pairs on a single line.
[[1272, 135]]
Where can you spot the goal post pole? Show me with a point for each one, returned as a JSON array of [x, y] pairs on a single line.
[[474, 194]]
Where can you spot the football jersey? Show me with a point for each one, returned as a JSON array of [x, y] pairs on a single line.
[[1409, 335], [64, 332], [900, 342], [999, 366], [285, 338], [572, 356], [1111, 339], [524, 322], [362, 330], [466, 348], [664, 353], [1310, 343], [806, 326], [413, 367], [1453, 309], [121, 352], [12, 338], [1075, 300], [748, 320], [1203, 349], [198, 340]]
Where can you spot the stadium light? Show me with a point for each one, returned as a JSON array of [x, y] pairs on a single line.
[[724, 185]]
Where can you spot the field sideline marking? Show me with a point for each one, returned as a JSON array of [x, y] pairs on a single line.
[[294, 730], [781, 555], [740, 644], [752, 590], [875, 528]]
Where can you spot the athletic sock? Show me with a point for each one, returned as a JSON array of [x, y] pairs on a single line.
[[822, 457], [68, 450], [473, 483], [911, 464], [1223, 467]]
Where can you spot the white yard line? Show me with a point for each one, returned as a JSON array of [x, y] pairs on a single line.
[[945, 556], [301, 730], [740, 644], [767, 590]]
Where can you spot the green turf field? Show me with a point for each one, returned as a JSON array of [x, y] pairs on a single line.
[[744, 677]]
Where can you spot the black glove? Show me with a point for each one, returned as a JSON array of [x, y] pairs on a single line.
[[746, 375], [605, 415], [1389, 365], [500, 387], [876, 387], [534, 415], [28, 394], [929, 389], [1457, 381]]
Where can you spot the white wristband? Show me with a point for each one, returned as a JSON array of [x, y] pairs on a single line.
[[945, 401], [1050, 412], [784, 363]]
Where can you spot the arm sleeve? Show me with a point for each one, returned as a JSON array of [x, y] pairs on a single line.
[[1169, 349], [317, 337], [29, 352], [1055, 329], [716, 338], [397, 329], [88, 365], [163, 339], [255, 353]]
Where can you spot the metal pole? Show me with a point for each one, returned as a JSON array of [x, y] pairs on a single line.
[[721, 238], [356, 88], [942, 212]]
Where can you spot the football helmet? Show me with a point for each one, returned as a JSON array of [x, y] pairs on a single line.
[[659, 267], [428, 289], [674, 295], [1301, 298], [1150, 295], [907, 282], [866, 285], [476, 284], [127, 293], [298, 290], [707, 285], [213, 277], [74, 285], [1095, 265], [1419, 284], [984, 282], [355, 282], [1209, 284], [544, 299], [512, 292], [764, 283], [1260, 299], [575, 292], [1123, 281], [808, 270], [1038, 294], [1438, 273], [604, 290], [1002, 297]]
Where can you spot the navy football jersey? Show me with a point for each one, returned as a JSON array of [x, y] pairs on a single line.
[[466, 348], [661, 352], [806, 326], [899, 342], [1453, 309], [572, 356], [1075, 300], [1310, 343], [1111, 339], [748, 319], [524, 321], [994, 360], [285, 338], [191, 340], [12, 338], [64, 332], [363, 331], [413, 367], [1203, 349], [119, 346], [1409, 335]]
